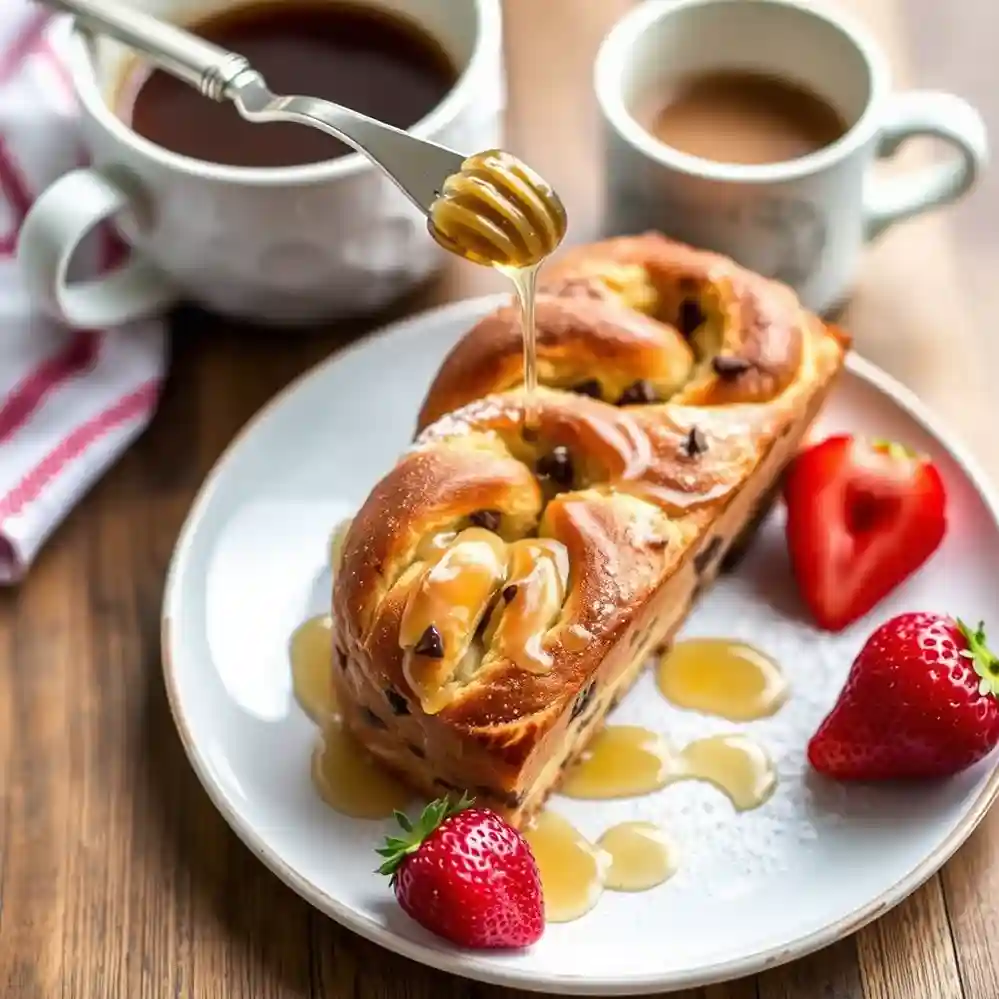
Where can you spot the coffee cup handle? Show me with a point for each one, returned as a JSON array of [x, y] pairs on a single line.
[[55, 226], [929, 113]]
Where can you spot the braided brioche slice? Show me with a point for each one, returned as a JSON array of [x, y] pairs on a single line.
[[497, 595]]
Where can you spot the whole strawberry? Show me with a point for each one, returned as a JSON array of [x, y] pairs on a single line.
[[920, 701], [466, 875]]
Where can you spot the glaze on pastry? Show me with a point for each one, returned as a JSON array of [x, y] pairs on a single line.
[[496, 595]]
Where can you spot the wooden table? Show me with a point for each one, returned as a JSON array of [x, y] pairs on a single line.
[[119, 879]]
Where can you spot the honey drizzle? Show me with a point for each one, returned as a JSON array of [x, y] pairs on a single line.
[[459, 577], [525, 283], [576, 638], [625, 761], [722, 677], [498, 212], [538, 573]]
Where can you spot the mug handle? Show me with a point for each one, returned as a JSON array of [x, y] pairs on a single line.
[[53, 229], [925, 112]]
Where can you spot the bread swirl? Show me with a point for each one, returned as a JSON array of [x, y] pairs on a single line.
[[497, 593]]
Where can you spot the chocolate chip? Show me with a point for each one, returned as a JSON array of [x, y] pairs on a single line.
[[372, 719], [556, 466], [415, 750], [704, 558], [440, 782], [690, 317], [509, 592], [638, 393], [728, 366], [397, 702], [583, 699], [694, 443], [487, 519], [430, 644], [590, 387], [513, 800], [341, 659]]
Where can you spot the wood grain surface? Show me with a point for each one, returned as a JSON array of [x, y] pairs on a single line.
[[119, 879]]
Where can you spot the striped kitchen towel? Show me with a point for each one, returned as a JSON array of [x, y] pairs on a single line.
[[71, 400]]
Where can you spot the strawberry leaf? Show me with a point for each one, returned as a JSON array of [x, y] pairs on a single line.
[[397, 848], [985, 661]]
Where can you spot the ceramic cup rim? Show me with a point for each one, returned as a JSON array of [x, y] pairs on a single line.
[[620, 42], [487, 15]]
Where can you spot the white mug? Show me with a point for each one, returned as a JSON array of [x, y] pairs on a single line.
[[803, 221], [282, 245]]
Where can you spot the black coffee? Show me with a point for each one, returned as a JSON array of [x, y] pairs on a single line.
[[363, 58]]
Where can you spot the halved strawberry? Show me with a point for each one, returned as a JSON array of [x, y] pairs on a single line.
[[862, 516]]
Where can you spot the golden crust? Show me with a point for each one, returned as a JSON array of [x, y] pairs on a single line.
[[641, 494]]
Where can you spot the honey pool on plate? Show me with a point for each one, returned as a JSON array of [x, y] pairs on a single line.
[[629, 856], [724, 678], [717, 676], [624, 761], [344, 775]]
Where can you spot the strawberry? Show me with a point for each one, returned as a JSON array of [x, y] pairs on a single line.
[[466, 875], [861, 517], [920, 701]]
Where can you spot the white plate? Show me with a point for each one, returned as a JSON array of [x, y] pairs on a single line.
[[813, 864]]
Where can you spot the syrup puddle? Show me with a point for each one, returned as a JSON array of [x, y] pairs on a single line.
[[624, 761], [572, 869], [632, 856], [350, 781], [641, 856], [345, 776], [311, 653], [337, 538], [717, 676]]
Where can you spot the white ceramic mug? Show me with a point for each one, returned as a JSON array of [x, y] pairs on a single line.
[[803, 221], [284, 245]]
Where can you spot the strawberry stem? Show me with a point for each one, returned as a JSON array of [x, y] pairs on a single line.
[[985, 661], [894, 450], [397, 848]]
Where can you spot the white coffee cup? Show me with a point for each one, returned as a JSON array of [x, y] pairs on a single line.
[[284, 245], [803, 221]]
